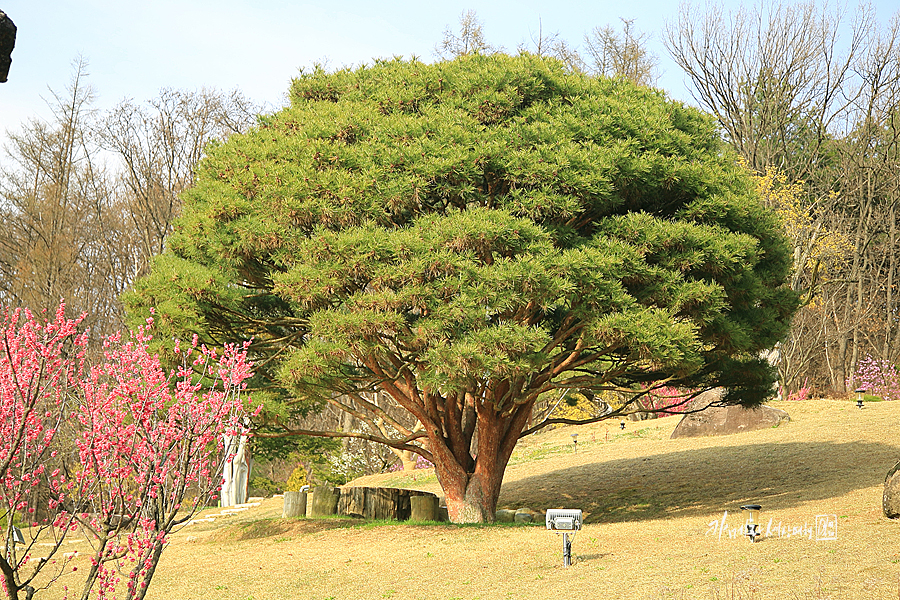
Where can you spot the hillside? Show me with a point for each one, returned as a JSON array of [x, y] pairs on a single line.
[[654, 512]]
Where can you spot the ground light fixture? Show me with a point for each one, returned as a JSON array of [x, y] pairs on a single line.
[[575, 441], [565, 521], [751, 526], [622, 424], [859, 397]]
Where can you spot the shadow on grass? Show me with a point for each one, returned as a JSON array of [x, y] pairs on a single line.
[[274, 527], [285, 529], [707, 480]]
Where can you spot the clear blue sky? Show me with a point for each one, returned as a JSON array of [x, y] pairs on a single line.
[[135, 48]]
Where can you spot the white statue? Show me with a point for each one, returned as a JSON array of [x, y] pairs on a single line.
[[236, 472]]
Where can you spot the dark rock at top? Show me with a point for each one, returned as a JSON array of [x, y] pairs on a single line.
[[7, 43]]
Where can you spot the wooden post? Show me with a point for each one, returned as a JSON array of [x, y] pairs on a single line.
[[353, 502], [323, 502], [423, 508], [294, 505]]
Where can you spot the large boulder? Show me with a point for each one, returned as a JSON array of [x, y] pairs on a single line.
[[890, 503], [7, 43], [725, 420]]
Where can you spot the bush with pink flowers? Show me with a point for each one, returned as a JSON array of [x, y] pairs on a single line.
[[877, 377]]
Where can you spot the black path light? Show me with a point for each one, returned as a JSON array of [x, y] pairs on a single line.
[[751, 527], [859, 397], [566, 521], [622, 424], [575, 441]]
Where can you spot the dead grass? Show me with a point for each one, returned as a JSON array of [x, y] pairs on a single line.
[[650, 504]]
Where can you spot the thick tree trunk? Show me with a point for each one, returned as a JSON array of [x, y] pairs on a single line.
[[472, 501], [407, 458], [472, 493]]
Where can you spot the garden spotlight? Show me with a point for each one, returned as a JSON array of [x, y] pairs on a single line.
[[565, 521]]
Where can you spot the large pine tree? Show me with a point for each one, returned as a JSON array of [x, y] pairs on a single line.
[[466, 235]]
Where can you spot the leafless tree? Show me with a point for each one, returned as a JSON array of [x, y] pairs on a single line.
[[772, 74], [79, 229], [624, 54], [62, 236], [551, 44], [865, 173], [790, 92], [469, 40], [159, 143]]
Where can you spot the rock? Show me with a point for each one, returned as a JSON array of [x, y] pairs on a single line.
[[505, 515], [7, 43], [890, 503], [726, 420], [524, 515]]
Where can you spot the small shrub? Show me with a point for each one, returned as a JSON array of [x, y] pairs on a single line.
[[266, 486], [804, 393], [297, 480]]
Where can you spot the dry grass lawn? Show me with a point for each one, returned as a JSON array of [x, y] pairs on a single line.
[[649, 503]]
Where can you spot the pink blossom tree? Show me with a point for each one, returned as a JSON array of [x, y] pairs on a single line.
[[670, 400], [147, 448], [153, 441], [878, 377], [39, 361]]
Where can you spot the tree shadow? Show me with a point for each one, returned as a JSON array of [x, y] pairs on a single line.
[[274, 527], [700, 481]]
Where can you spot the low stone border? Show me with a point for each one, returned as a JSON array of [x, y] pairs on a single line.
[[521, 515]]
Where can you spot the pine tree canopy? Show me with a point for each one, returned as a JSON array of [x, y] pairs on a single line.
[[487, 229]]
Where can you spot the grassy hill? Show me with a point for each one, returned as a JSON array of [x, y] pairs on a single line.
[[654, 509]]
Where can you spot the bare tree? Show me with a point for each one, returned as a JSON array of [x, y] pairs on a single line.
[[624, 54], [62, 236], [469, 40], [551, 44], [865, 173], [772, 75], [77, 230], [790, 93], [158, 143]]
